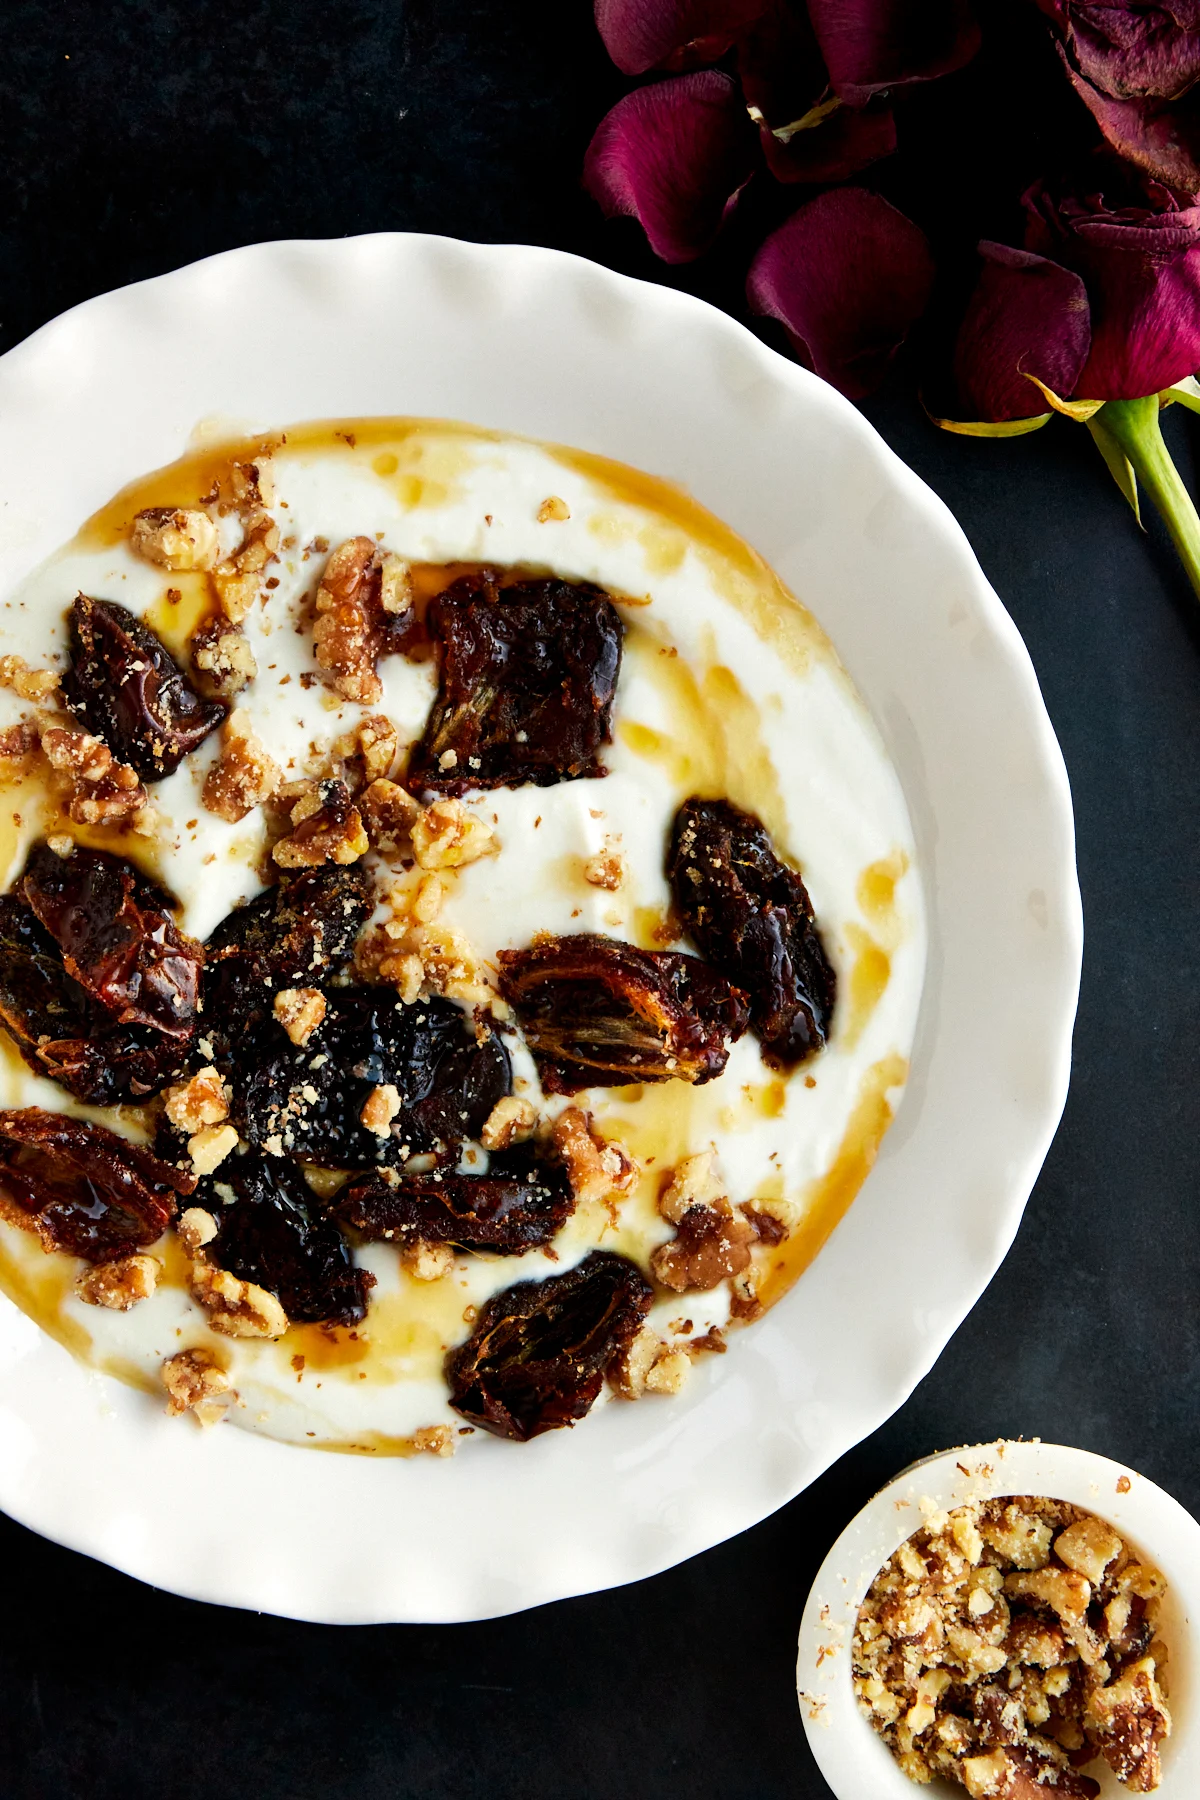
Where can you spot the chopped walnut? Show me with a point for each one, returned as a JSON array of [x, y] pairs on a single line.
[[120, 1284], [72, 751], [427, 1262], [380, 1108], [628, 1373], [210, 1146], [244, 775], [204, 1100], [604, 870], [175, 537], [114, 799], [509, 1121], [221, 652], [669, 1373], [553, 508], [357, 584], [26, 683], [975, 1666], [387, 813], [238, 580], [17, 742], [445, 836], [407, 972], [448, 964], [744, 1303], [376, 745], [300, 1011], [711, 1241], [194, 1228], [427, 900], [196, 1383], [435, 1440], [236, 1308], [694, 1182], [773, 1218], [597, 1167], [326, 827]]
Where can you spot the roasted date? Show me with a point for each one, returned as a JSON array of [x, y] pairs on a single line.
[[306, 1101], [527, 678], [597, 1012], [537, 1356], [117, 938], [519, 1204], [82, 1188], [751, 916], [129, 690], [274, 1234]]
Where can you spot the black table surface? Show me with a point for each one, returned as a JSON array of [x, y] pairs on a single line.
[[138, 135]]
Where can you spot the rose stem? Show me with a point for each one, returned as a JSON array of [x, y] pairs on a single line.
[[1134, 425]]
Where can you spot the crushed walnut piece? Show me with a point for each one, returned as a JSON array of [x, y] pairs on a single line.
[[359, 589], [19, 742], [435, 1440], [300, 1011], [194, 1228], [375, 748], [380, 1108], [446, 836], [119, 1284], [649, 1366], [102, 791], [326, 827], [209, 1147], [509, 1121], [196, 1383], [387, 812], [238, 580], [426, 1261], [711, 1241], [203, 1100], [221, 654], [236, 1308], [1008, 1644], [244, 775], [178, 538], [432, 959], [26, 683], [553, 508], [597, 1168], [604, 870]]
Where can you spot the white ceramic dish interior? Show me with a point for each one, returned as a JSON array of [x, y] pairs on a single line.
[[535, 342], [849, 1752]]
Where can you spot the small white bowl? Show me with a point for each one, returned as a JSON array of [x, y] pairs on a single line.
[[850, 1754]]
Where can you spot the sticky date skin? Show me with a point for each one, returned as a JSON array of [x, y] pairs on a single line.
[[129, 690], [527, 678], [275, 1235], [82, 1188], [751, 916], [537, 1356], [597, 1012], [518, 1205]]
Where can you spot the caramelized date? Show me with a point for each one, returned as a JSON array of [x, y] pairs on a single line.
[[519, 1204], [527, 678], [308, 1100], [597, 1012], [129, 690], [537, 1356], [82, 1188], [752, 918], [116, 937], [275, 1235]]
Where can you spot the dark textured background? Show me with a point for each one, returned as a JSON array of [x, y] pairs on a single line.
[[140, 134]]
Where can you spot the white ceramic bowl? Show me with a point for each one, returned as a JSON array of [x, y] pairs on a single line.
[[849, 1752], [532, 341]]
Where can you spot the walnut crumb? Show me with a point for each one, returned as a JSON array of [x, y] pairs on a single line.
[[597, 1167], [377, 743], [604, 870], [299, 1011], [509, 1121], [221, 652], [326, 827], [435, 1440], [244, 775], [380, 1108], [427, 1262], [175, 537], [446, 836], [195, 1228], [204, 1100], [711, 1241], [17, 742], [196, 1383], [119, 1284], [209, 1147], [629, 1373], [387, 812], [236, 1308], [26, 683], [358, 589], [669, 1373], [553, 508]]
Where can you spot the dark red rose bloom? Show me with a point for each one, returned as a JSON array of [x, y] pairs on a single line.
[[848, 276], [674, 156], [1027, 316], [1134, 64]]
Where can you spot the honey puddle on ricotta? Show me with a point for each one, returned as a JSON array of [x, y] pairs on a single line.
[[729, 688]]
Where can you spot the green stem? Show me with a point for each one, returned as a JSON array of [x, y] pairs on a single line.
[[1134, 425]]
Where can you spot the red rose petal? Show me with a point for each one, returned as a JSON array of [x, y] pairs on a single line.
[[848, 276], [656, 34], [1160, 136], [873, 44], [1027, 316], [674, 155], [785, 79]]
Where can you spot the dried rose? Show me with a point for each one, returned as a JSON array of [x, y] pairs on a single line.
[[808, 133], [1134, 66], [848, 276], [1027, 316], [671, 34], [869, 45], [675, 156]]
